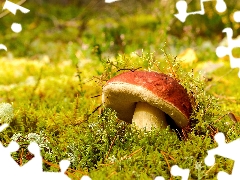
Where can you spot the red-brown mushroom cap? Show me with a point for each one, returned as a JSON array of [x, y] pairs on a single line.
[[122, 92]]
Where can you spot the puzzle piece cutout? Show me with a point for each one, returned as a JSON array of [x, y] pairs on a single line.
[[222, 51], [111, 1], [236, 16], [182, 8], [3, 126], [33, 169], [16, 27], [2, 46], [85, 177], [12, 7], [177, 171], [227, 150], [9, 169]]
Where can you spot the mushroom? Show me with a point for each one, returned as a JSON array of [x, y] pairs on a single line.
[[144, 98]]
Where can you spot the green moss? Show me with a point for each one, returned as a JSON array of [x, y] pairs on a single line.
[[55, 90]]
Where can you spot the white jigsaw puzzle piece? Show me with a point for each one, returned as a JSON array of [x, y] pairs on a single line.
[[35, 164], [2, 46], [177, 171], [236, 16], [227, 150], [7, 164], [3, 126], [159, 178], [182, 5], [111, 1], [85, 177], [9, 168], [12, 7], [16, 27], [221, 6], [222, 51]]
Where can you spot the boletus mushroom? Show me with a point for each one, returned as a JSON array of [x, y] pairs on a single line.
[[144, 98]]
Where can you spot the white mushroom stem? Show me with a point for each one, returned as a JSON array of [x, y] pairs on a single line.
[[147, 116]]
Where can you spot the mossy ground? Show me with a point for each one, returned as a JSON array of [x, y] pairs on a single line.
[[53, 77]]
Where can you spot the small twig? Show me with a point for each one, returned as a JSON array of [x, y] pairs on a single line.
[[134, 153], [220, 118], [169, 168], [129, 69], [130, 155], [57, 166], [51, 164], [218, 80], [113, 173], [230, 115], [232, 99], [21, 157], [95, 109], [210, 168], [96, 96], [163, 153], [109, 150]]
